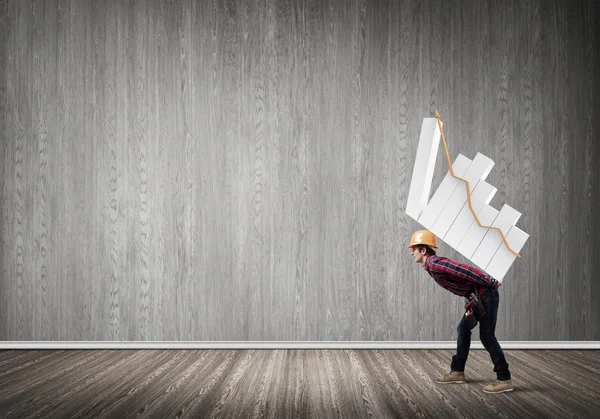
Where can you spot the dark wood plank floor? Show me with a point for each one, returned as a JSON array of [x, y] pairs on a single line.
[[291, 384]]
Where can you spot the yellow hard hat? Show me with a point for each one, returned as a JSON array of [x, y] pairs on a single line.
[[424, 237]]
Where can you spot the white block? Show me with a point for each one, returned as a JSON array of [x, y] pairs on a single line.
[[503, 258], [420, 184], [479, 169], [507, 218], [475, 234], [482, 194], [444, 191]]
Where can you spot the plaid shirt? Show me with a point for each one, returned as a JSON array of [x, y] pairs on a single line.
[[458, 278]]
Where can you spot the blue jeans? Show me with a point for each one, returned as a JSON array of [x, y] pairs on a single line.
[[487, 329]]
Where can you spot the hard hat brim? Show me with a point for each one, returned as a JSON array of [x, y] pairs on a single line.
[[421, 244]]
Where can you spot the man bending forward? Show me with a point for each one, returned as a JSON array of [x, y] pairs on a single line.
[[462, 279]]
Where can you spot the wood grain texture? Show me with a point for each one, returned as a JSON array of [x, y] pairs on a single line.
[[199, 171], [291, 383], [4, 173]]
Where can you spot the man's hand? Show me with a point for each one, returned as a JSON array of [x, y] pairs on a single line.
[[468, 307]]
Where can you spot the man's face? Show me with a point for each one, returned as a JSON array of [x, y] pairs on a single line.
[[418, 256]]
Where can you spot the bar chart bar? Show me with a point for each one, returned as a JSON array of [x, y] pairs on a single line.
[[475, 234], [420, 184], [444, 191], [482, 194], [503, 258]]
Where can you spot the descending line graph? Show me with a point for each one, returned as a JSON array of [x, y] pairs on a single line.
[[439, 120], [462, 216]]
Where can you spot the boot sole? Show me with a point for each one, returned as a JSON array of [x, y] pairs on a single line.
[[500, 391]]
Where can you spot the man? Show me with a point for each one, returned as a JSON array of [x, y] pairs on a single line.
[[462, 279]]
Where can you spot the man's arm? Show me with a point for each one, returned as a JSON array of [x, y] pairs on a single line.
[[461, 271]]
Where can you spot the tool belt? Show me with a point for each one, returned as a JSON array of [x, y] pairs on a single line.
[[474, 307]]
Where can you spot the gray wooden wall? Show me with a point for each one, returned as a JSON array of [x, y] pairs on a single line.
[[226, 170]]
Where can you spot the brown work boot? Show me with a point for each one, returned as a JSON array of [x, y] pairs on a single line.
[[453, 377], [499, 387]]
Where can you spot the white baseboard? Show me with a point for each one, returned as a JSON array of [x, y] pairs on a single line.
[[476, 344]]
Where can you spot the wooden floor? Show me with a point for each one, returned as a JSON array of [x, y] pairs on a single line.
[[291, 384]]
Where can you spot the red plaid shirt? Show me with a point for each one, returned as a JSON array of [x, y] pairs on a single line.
[[458, 278]]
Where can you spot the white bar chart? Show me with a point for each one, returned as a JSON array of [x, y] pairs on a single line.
[[448, 215]]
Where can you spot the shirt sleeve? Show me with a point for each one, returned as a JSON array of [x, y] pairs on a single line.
[[460, 270]]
